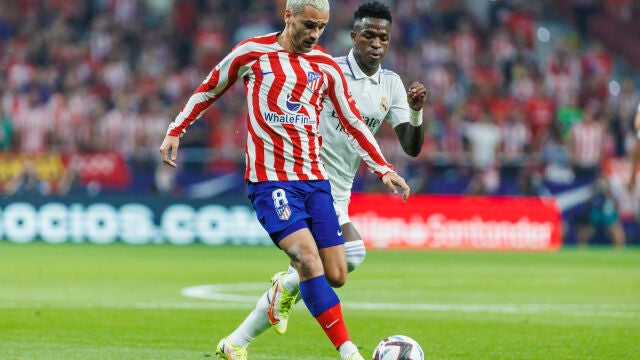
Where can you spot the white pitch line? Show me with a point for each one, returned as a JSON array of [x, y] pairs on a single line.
[[224, 292], [184, 305]]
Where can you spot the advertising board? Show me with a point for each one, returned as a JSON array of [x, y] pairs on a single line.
[[424, 222], [457, 222]]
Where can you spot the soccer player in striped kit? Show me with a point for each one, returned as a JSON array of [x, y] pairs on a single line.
[[286, 77], [380, 96]]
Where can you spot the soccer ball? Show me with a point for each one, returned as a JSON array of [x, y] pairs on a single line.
[[398, 347]]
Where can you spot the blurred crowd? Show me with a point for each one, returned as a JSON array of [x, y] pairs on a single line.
[[505, 92]]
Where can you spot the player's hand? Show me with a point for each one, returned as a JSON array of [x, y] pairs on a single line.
[[417, 96], [392, 179], [170, 144]]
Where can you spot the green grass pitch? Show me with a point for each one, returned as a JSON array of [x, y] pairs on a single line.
[[125, 302]]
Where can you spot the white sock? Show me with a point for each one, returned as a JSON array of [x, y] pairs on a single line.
[[291, 280], [257, 321], [356, 252], [253, 325], [347, 349]]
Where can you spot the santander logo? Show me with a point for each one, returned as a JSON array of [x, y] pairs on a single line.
[[438, 231]]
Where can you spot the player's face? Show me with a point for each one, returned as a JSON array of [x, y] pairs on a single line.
[[304, 29], [370, 39]]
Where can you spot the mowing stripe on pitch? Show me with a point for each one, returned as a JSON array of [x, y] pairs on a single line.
[[599, 310], [245, 295]]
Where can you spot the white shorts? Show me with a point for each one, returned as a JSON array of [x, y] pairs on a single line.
[[342, 210]]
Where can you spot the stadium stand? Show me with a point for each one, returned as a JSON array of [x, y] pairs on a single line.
[[89, 87]]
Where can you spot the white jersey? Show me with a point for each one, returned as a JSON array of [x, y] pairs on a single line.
[[380, 97]]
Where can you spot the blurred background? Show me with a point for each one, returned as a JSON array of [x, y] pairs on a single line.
[[526, 98]]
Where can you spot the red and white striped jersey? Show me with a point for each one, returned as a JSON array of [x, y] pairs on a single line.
[[588, 142], [284, 98]]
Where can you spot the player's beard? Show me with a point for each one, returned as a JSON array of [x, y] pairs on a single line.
[[304, 45]]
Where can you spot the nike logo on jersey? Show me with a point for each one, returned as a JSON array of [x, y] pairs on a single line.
[[328, 326], [339, 232], [263, 73]]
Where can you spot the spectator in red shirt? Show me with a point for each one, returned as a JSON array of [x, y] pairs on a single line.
[[210, 41], [597, 60], [540, 111], [522, 25]]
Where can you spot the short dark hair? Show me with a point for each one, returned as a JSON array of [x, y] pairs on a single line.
[[372, 9]]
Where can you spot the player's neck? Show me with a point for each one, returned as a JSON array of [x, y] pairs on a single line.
[[285, 41], [369, 71]]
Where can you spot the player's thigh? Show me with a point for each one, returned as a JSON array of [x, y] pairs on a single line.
[[349, 231], [334, 261]]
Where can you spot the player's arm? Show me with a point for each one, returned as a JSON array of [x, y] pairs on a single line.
[[635, 155], [217, 82], [359, 134], [411, 134]]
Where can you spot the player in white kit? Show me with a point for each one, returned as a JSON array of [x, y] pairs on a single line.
[[380, 96]]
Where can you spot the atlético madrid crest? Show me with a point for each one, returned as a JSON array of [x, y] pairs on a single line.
[[284, 212], [313, 80]]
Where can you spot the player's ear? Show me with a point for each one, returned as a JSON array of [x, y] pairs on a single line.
[[353, 37], [287, 17]]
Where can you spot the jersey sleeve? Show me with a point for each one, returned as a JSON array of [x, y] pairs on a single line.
[[223, 75], [351, 121], [399, 110]]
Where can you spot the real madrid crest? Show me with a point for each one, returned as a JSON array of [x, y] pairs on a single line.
[[384, 104]]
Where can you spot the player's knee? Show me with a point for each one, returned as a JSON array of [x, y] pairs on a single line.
[[307, 264], [336, 278], [336, 274], [356, 253]]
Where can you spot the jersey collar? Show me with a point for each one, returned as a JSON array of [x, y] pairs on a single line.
[[357, 73]]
